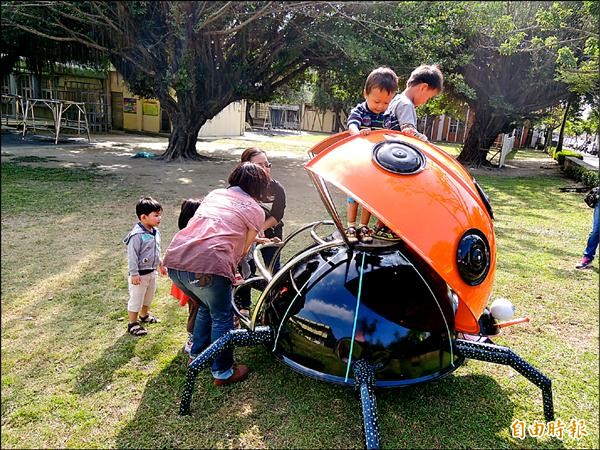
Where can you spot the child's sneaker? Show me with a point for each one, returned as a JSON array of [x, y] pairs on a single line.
[[351, 235], [386, 234], [364, 235], [585, 263]]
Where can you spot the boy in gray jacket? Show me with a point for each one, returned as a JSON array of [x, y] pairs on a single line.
[[143, 257]]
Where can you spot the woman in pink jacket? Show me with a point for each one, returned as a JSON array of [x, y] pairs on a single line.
[[202, 259]]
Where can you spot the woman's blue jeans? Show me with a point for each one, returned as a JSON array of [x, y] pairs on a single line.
[[594, 237], [214, 317]]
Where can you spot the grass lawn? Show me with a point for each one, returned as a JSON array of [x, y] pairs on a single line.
[[72, 377], [452, 149]]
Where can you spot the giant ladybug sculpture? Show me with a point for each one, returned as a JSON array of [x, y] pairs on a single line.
[[390, 313]]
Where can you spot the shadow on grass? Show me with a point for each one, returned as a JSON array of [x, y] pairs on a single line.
[[278, 408], [470, 411], [96, 375]]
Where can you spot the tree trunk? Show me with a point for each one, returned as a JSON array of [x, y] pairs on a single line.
[[249, 118], [186, 125], [482, 134], [562, 128], [182, 143], [338, 126], [529, 139], [548, 139]]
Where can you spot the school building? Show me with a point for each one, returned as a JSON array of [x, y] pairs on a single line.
[[130, 112], [109, 105], [445, 128]]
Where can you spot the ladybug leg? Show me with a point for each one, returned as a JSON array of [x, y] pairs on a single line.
[[364, 375], [505, 356], [232, 339]]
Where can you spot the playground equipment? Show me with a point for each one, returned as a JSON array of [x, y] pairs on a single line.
[[388, 314]]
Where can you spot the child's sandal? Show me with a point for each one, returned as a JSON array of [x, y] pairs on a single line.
[[386, 234], [149, 318], [351, 235], [135, 329], [364, 235]]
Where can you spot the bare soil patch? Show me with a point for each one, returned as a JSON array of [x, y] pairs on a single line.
[[172, 182], [113, 153], [530, 167]]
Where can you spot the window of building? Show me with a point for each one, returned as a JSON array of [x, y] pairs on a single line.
[[48, 88], [519, 132], [25, 85], [262, 109], [453, 126], [6, 84]]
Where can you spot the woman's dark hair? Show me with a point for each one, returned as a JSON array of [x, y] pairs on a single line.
[[250, 153], [251, 178], [147, 205], [188, 209]]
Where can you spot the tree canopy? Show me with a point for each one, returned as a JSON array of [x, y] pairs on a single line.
[[37, 51], [508, 60], [195, 57], [516, 65]]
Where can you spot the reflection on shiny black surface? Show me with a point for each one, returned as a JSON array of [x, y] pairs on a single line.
[[404, 323]]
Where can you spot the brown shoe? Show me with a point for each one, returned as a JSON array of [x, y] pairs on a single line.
[[240, 372]]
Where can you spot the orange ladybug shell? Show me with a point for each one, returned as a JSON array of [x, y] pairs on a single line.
[[430, 209]]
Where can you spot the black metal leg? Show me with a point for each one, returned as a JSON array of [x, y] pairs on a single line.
[[364, 375], [234, 338], [505, 356]]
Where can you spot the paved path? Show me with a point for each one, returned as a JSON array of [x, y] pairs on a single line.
[[76, 151], [591, 160]]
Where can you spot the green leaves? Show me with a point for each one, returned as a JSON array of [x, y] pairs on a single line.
[[551, 42], [557, 16], [503, 26], [566, 58], [512, 44]]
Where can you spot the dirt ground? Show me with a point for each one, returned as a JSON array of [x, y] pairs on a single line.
[[113, 153], [174, 181]]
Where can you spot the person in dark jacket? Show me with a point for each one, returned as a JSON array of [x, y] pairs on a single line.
[[274, 206]]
